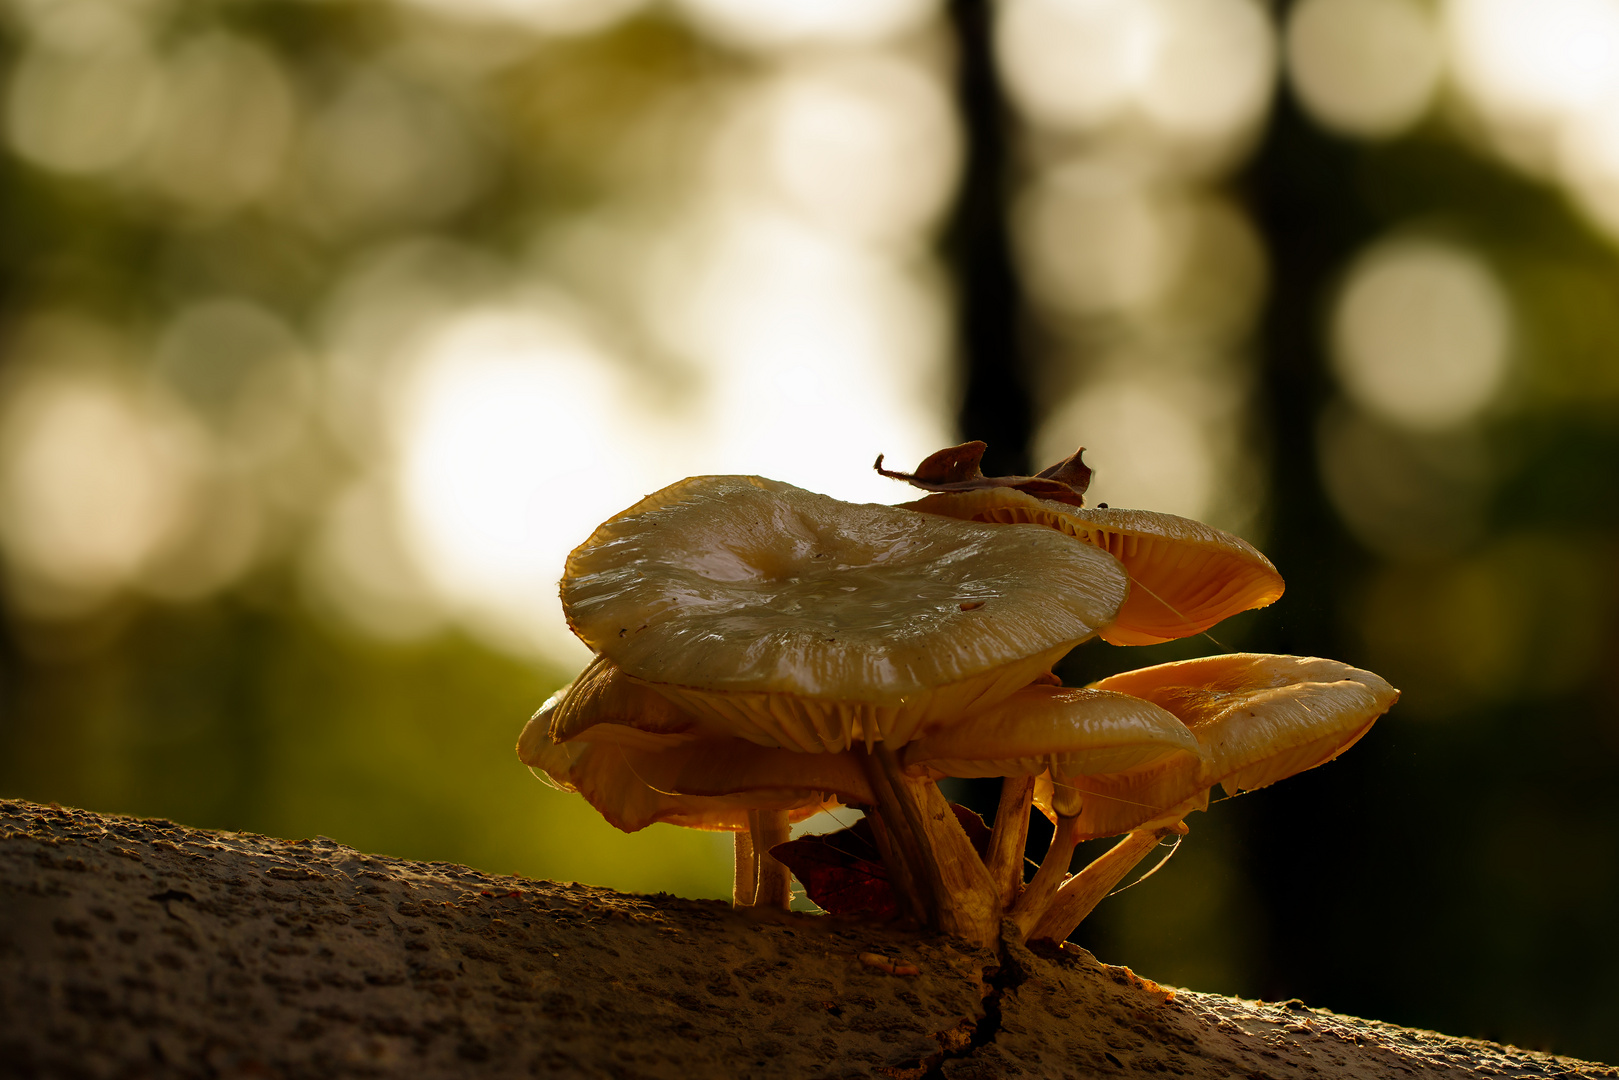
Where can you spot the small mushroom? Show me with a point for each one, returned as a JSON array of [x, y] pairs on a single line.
[[1053, 731], [801, 621], [1184, 575], [635, 777], [1258, 719]]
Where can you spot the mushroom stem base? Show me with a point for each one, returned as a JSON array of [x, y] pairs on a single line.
[[968, 900], [1081, 893], [745, 871], [774, 881], [903, 850], [1009, 838], [1043, 888]]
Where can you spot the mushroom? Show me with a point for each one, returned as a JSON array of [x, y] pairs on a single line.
[[762, 652], [1258, 719], [1051, 731], [1184, 575], [800, 621], [635, 776]]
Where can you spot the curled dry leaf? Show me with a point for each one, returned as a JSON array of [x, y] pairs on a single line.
[[956, 468]]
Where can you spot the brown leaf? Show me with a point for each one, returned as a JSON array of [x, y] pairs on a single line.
[[842, 872], [956, 468]]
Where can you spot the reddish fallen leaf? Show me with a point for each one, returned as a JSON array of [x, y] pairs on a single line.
[[956, 468], [843, 873]]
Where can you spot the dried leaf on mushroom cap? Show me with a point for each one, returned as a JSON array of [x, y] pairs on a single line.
[[1262, 717], [635, 786], [1070, 731], [809, 623], [1185, 576], [956, 468]]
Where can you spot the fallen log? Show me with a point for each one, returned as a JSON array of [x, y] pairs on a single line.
[[142, 948]]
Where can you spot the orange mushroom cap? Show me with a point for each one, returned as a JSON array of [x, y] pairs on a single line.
[[1185, 576], [1258, 718]]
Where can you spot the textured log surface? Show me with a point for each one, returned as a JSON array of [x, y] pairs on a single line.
[[141, 948]]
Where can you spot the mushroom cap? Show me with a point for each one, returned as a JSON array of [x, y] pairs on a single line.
[[1067, 730], [1258, 719], [605, 705], [1261, 717], [802, 621], [635, 784], [1109, 804], [1184, 575]]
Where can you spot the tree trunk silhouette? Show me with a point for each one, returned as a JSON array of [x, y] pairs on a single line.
[[142, 948]]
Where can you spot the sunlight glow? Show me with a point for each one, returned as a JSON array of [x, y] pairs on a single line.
[[1148, 446], [776, 24], [1364, 67], [861, 145], [813, 356], [97, 480], [1198, 72], [516, 439], [1421, 333], [1535, 58], [546, 16]]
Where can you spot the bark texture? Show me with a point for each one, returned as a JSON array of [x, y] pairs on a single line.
[[141, 948]]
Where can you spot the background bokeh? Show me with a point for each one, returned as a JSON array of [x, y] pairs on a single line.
[[327, 328]]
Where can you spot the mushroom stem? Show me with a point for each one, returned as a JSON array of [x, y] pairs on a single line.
[[1081, 893], [899, 871], [903, 824], [744, 877], [1041, 890], [1010, 835], [774, 881], [969, 903]]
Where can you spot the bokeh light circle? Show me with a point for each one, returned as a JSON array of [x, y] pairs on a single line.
[[1421, 333], [1363, 67]]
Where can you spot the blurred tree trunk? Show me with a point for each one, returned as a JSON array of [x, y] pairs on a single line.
[[138, 948]]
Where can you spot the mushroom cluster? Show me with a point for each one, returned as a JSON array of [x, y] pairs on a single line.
[[763, 653]]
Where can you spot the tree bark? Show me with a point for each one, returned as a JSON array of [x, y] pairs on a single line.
[[141, 948]]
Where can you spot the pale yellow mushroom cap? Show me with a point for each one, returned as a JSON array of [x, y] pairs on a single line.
[[700, 784], [1070, 731], [1260, 717], [808, 623], [1184, 575], [605, 705]]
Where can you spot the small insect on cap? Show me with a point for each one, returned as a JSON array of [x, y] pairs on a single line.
[[1261, 718], [1185, 576], [634, 778], [804, 622]]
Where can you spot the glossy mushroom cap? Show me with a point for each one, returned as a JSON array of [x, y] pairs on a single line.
[[696, 783], [808, 623], [605, 705], [1069, 731], [1184, 575], [1259, 717]]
